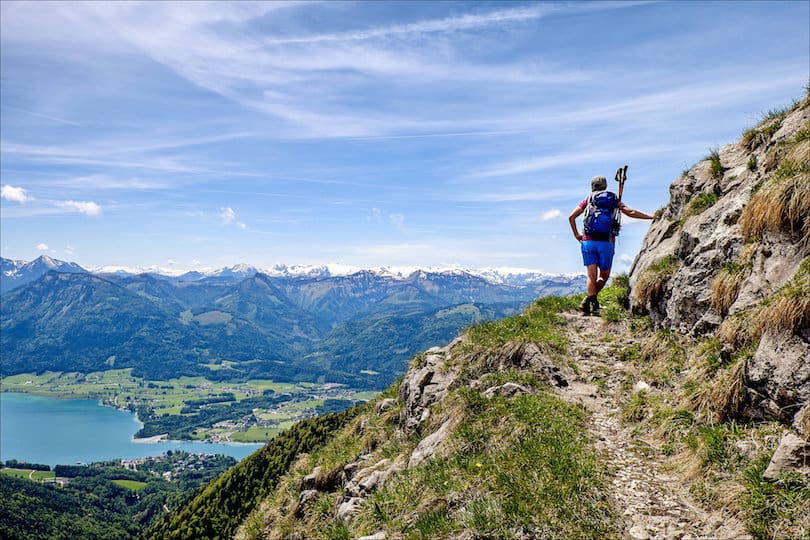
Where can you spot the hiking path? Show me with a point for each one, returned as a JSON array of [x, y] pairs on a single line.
[[653, 500]]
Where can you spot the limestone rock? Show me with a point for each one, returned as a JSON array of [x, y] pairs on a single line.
[[702, 240], [779, 377], [802, 421], [529, 356], [305, 499], [385, 405], [371, 478], [425, 386], [432, 445], [310, 481], [509, 389], [792, 455], [376, 536], [348, 508]]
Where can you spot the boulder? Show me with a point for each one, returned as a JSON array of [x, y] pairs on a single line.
[[792, 455]]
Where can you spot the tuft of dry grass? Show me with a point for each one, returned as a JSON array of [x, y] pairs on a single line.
[[725, 287], [650, 286], [781, 204], [722, 398]]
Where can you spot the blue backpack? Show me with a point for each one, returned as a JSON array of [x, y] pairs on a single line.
[[602, 215]]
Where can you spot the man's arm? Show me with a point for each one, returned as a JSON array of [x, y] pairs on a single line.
[[638, 214], [572, 219]]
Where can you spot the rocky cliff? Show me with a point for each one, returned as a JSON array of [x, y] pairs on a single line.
[[727, 258]]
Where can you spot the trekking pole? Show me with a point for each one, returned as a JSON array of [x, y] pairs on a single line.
[[621, 178]]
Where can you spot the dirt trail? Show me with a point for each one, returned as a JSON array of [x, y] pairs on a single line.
[[654, 503]]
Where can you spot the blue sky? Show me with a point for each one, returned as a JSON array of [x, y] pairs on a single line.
[[370, 133]]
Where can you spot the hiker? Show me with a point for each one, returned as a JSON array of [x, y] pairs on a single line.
[[601, 225]]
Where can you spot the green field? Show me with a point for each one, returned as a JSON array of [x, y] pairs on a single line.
[[28, 474], [132, 485]]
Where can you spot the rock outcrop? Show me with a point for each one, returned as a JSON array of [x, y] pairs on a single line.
[[733, 238]]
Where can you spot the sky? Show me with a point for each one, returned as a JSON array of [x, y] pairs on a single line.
[[201, 135]]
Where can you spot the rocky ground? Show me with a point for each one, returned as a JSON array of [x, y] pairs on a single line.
[[654, 502]]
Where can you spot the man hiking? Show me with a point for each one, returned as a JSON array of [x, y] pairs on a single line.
[[601, 225]]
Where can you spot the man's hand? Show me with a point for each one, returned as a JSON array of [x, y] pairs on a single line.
[[578, 237]]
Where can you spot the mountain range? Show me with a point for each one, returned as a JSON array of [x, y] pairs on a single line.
[[289, 324]]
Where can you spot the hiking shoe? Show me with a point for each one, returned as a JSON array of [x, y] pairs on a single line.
[[585, 306], [594, 305]]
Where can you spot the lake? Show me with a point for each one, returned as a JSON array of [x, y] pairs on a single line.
[[52, 431]]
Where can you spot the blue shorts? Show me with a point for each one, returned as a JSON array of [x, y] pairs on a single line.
[[598, 253]]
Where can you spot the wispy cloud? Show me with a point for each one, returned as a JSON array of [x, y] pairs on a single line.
[[42, 247], [447, 24], [14, 194], [42, 115]]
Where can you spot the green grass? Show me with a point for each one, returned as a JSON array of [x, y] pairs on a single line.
[[132, 485], [716, 168], [701, 203], [778, 509], [256, 434], [28, 474], [752, 163], [540, 323], [524, 465]]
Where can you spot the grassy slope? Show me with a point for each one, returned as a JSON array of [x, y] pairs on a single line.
[[520, 465]]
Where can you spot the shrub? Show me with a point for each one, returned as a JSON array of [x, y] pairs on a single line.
[[752, 163]]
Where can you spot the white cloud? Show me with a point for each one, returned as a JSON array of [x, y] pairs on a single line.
[[69, 249], [15, 194], [398, 220], [626, 259], [227, 215], [195, 262], [85, 207], [375, 215], [548, 215], [43, 247]]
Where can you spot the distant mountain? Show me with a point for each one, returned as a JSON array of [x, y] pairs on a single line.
[[358, 328], [17, 273]]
